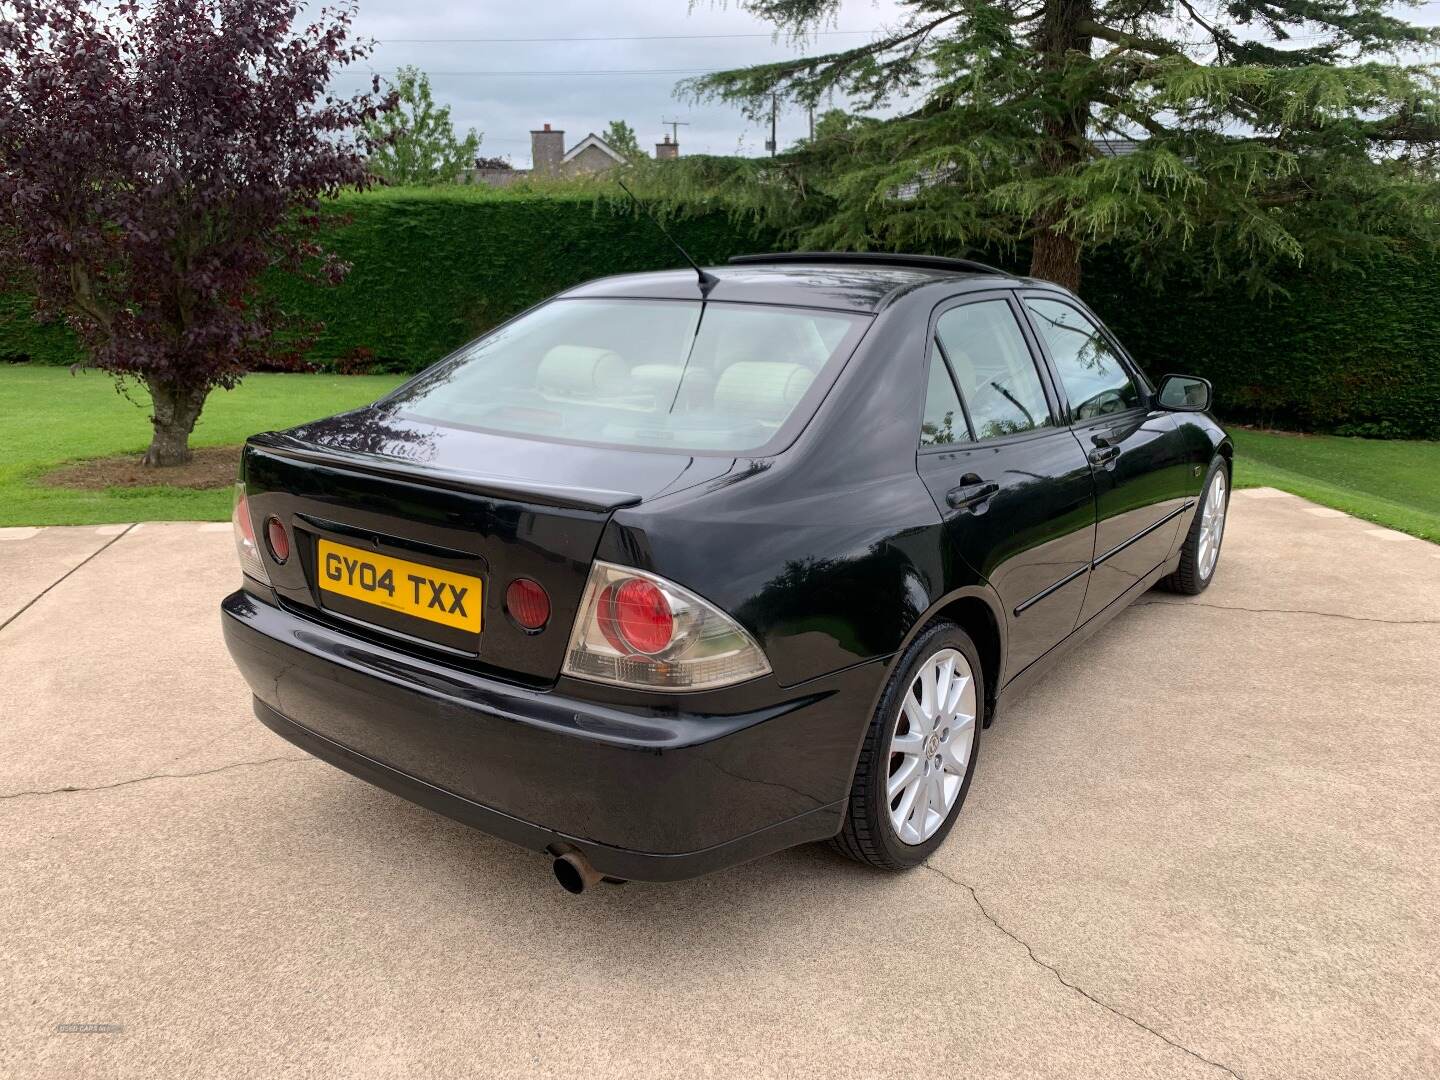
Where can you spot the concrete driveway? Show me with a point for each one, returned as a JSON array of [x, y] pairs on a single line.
[[1208, 845]]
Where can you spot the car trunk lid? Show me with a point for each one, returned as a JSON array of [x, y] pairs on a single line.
[[413, 532]]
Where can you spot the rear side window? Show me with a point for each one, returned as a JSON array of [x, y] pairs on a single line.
[[1094, 378], [944, 421], [672, 374], [993, 365]]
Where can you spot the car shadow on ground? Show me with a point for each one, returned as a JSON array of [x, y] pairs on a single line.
[[381, 833], [380, 836]]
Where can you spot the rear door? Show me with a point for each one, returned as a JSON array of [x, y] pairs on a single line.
[[1013, 486], [1137, 453]]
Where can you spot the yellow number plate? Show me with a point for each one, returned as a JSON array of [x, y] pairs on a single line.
[[424, 592]]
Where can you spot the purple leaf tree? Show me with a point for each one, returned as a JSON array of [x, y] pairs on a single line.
[[155, 161]]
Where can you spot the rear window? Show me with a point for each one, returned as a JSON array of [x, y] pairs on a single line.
[[658, 374]]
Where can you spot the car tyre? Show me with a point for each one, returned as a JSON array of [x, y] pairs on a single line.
[[1200, 554], [947, 745]]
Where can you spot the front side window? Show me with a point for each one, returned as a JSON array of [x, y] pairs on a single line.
[[944, 421], [673, 374], [1095, 380], [993, 365]]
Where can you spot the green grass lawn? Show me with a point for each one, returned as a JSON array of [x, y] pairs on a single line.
[[1392, 482], [48, 416]]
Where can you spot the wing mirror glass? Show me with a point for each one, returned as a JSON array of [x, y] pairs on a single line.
[[1184, 393]]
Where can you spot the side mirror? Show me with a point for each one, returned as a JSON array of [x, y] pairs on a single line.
[[1184, 393]]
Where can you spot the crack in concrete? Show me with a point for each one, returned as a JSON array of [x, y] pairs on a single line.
[[36, 598], [155, 776], [244, 722], [1073, 986], [1287, 611]]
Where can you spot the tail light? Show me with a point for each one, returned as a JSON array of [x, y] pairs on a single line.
[[278, 539], [245, 545], [637, 629], [528, 603]]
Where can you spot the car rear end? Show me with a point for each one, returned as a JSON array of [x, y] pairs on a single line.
[[423, 607]]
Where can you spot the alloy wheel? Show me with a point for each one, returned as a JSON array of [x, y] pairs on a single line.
[[1212, 527], [931, 745]]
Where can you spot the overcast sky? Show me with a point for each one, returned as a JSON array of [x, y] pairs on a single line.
[[440, 37], [468, 49]]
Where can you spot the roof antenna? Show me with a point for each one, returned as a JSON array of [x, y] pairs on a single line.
[[707, 281]]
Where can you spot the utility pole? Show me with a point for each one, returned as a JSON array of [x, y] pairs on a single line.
[[774, 108], [812, 121]]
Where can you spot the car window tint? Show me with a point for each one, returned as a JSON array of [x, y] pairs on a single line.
[[642, 373], [944, 421], [1094, 378], [994, 368]]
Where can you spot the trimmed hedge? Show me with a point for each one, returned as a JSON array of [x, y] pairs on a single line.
[[22, 338], [1358, 353], [433, 268]]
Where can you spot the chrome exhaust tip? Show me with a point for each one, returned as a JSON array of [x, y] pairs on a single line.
[[574, 872]]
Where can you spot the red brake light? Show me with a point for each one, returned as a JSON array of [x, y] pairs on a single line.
[[642, 616], [605, 619], [244, 531], [528, 603], [636, 629], [279, 541], [242, 518]]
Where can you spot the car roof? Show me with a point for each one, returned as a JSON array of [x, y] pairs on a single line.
[[859, 283]]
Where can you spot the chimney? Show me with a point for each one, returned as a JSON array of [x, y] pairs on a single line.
[[667, 149], [547, 148]]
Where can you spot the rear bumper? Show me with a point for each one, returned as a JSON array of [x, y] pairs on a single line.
[[650, 788], [613, 862]]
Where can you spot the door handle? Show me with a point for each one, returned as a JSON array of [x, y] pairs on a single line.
[[969, 496], [1103, 455]]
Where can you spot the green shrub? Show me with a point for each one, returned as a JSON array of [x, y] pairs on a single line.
[[1357, 354], [23, 339], [433, 267]]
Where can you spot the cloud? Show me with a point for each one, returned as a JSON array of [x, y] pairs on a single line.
[[440, 39]]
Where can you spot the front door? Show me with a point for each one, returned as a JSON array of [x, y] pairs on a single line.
[[1014, 487], [1138, 455]]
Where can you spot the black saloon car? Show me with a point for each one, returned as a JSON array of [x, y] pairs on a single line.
[[668, 573]]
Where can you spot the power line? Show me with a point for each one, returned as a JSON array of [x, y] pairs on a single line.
[[634, 37], [553, 72], [654, 37]]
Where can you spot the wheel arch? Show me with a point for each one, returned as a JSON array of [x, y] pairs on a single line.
[[976, 610], [982, 622], [1225, 453]]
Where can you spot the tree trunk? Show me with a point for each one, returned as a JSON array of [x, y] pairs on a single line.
[[1056, 253], [1056, 257], [176, 408]]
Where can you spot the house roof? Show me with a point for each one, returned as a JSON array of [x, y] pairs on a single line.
[[1117, 147], [598, 143]]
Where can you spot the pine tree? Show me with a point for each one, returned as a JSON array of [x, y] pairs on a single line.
[[1241, 136]]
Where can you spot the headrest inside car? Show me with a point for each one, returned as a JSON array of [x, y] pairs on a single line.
[[762, 391], [580, 371]]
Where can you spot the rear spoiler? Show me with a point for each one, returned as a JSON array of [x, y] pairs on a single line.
[[499, 487]]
